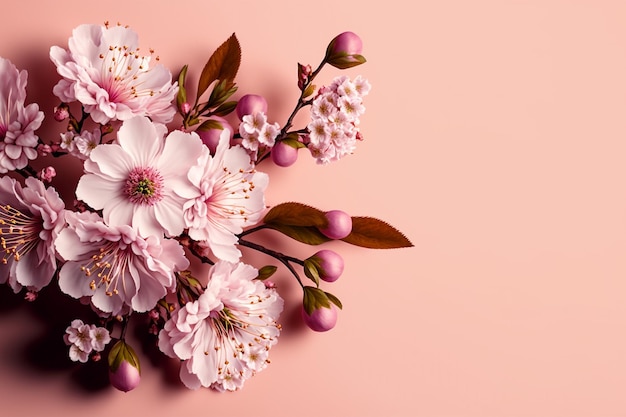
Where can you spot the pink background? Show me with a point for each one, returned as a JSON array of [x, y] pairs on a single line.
[[495, 139]]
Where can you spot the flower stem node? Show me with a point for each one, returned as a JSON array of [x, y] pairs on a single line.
[[124, 372], [339, 224], [251, 104], [329, 264]]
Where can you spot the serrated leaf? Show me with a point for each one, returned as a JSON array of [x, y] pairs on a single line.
[[334, 300], [372, 233], [295, 214], [266, 272], [222, 65], [305, 234], [314, 298]]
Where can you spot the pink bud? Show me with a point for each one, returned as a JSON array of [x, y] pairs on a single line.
[[331, 264], [344, 51], [125, 378], [284, 155], [321, 319], [47, 174], [61, 112], [185, 108], [211, 137], [348, 43], [44, 150], [250, 104], [339, 224]]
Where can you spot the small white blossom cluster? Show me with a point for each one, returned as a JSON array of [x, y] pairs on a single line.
[[80, 145], [83, 339], [257, 132], [335, 112]]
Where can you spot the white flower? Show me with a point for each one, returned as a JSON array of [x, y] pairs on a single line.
[[142, 180], [224, 337]]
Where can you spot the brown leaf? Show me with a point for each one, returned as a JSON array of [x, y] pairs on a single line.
[[373, 233], [222, 65], [295, 214]]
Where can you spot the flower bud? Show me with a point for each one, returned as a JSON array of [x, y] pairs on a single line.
[[211, 129], [339, 224], [321, 319], [125, 378], [330, 264], [284, 155], [124, 372], [47, 174], [185, 108], [250, 104], [344, 51], [61, 112]]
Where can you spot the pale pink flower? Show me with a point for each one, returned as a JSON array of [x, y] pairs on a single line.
[[335, 112], [80, 145], [256, 132], [31, 218], [142, 180], [229, 196], [225, 336], [85, 338], [104, 70], [18, 123], [114, 266]]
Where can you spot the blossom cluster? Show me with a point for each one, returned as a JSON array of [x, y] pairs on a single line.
[[166, 179], [83, 339]]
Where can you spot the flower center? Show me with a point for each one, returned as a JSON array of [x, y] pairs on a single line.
[[144, 186], [19, 233]]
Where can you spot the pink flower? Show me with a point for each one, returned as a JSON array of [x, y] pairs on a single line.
[[84, 338], [335, 112], [114, 266], [229, 197], [104, 70], [225, 336], [31, 218], [18, 123], [141, 180]]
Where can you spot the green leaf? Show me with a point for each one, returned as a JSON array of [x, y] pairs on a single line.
[[292, 140], [314, 298], [182, 92], [310, 89], [122, 351], [347, 61], [295, 214], [210, 124], [225, 108], [305, 234], [372, 233], [222, 65], [334, 300], [311, 270], [266, 272]]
